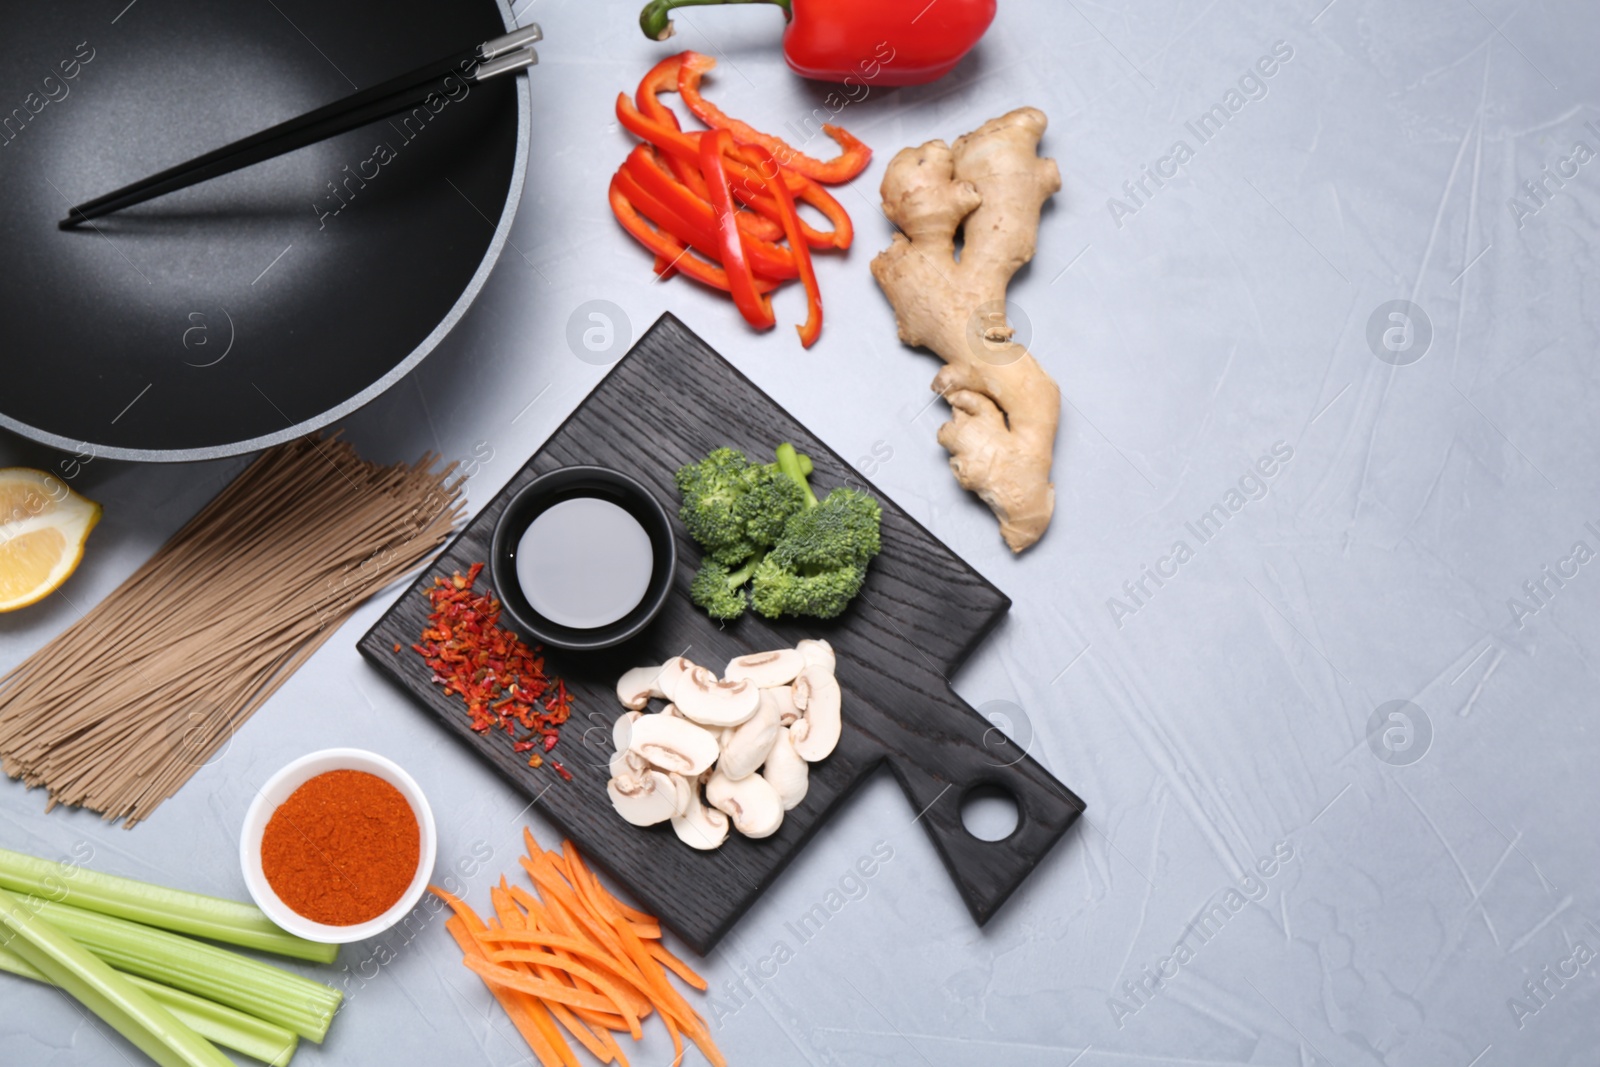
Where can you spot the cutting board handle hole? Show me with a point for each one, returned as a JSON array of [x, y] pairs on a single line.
[[990, 812]]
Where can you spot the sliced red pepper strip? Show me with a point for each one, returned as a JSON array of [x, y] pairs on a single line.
[[683, 145], [853, 156], [844, 231], [703, 239], [655, 182], [663, 268], [669, 248], [755, 307], [766, 164], [663, 77], [707, 243], [699, 233], [807, 191]]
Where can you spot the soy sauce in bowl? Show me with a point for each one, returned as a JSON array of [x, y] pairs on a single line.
[[583, 558], [584, 563]]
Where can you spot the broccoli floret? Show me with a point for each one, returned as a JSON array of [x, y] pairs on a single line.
[[761, 524], [711, 490], [819, 563], [781, 589], [770, 498], [719, 590], [735, 508], [841, 530]]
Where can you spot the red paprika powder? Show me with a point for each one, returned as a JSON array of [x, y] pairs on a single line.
[[342, 849]]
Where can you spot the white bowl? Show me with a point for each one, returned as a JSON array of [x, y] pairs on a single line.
[[277, 790]]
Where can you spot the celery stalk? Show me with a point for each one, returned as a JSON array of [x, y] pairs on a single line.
[[123, 1006], [12, 963], [255, 988], [272, 1045], [194, 914]]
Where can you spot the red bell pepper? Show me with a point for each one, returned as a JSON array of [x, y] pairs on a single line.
[[755, 307], [669, 249], [678, 143], [853, 156], [663, 77], [768, 168], [862, 42], [654, 190]]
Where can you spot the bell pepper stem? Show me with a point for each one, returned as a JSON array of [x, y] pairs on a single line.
[[657, 24]]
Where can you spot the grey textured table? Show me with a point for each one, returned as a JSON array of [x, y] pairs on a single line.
[[1430, 897]]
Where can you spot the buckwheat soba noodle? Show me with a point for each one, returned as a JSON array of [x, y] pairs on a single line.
[[117, 712]]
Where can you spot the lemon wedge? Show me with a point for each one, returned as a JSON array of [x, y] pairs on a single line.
[[43, 526]]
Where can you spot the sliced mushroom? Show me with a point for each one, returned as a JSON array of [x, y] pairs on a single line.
[[651, 798], [683, 791], [816, 732], [636, 687], [745, 747], [625, 764], [709, 702], [673, 744], [622, 729], [816, 653], [786, 772], [700, 826], [766, 669], [672, 672], [751, 802], [783, 696]]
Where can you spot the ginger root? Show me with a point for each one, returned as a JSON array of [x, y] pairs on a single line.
[[990, 186]]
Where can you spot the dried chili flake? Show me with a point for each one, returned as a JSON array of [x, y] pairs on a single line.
[[501, 679]]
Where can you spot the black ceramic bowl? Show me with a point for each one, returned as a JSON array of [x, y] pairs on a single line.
[[546, 491]]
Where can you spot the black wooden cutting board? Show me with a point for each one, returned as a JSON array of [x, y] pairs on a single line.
[[920, 614]]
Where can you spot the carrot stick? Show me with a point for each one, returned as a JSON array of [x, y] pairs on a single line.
[[555, 920], [570, 958], [515, 922], [523, 983], [649, 976], [558, 862], [606, 988], [459, 906], [506, 910], [540, 1014], [585, 872], [532, 904], [562, 965], [677, 1040], [586, 1037], [543, 939], [676, 965], [636, 951], [614, 1048], [600, 1020], [514, 1005], [550, 883]]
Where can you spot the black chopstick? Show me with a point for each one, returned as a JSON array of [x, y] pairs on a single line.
[[500, 55]]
